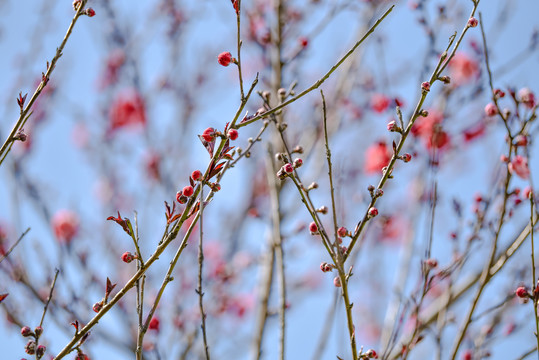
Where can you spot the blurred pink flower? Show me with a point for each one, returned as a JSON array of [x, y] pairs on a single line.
[[379, 103], [463, 69], [519, 166], [377, 157], [527, 97], [127, 109], [429, 129], [65, 224]]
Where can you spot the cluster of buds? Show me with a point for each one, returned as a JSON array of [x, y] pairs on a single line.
[[127, 257], [31, 347], [325, 267]]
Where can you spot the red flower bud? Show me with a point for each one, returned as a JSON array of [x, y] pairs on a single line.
[[196, 175], [127, 257], [288, 168], [342, 231], [313, 228], [26, 331], [188, 190], [373, 212], [232, 134], [224, 58], [521, 292], [472, 22], [209, 134]]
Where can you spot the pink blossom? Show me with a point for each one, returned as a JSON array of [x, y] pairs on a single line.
[[379, 103], [491, 109], [463, 68], [65, 224], [377, 157], [429, 129], [527, 97], [127, 109], [519, 166]]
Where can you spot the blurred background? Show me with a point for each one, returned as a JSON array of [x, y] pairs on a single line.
[[116, 130]]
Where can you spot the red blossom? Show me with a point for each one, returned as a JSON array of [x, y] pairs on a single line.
[[463, 68], [154, 324], [65, 224], [377, 157], [527, 97], [429, 129], [379, 103], [519, 166], [232, 134], [127, 109], [225, 58]]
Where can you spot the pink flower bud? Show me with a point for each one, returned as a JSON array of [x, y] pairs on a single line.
[[26, 331], [127, 257], [188, 190], [371, 354], [527, 97], [406, 157], [431, 263], [342, 232], [392, 126], [97, 306], [337, 281], [472, 22], [154, 324], [490, 109], [297, 163], [521, 140], [38, 330], [521, 292], [40, 351], [373, 212], [313, 228], [425, 86], [232, 134], [224, 58], [90, 12], [288, 168]]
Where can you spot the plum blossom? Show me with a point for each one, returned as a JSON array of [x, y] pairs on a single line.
[[65, 224], [127, 109], [463, 69], [377, 156], [519, 166]]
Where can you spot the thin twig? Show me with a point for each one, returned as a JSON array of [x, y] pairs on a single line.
[[6, 147], [320, 81], [200, 266], [49, 298], [14, 245]]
